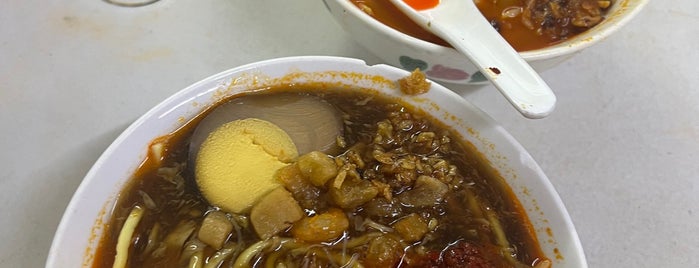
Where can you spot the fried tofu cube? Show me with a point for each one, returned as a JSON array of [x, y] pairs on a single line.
[[215, 229]]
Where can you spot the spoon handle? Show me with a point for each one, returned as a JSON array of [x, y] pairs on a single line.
[[460, 23]]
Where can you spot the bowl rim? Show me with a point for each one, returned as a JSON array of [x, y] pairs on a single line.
[[630, 9], [170, 111]]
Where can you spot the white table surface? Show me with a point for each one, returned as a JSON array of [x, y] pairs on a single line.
[[622, 147]]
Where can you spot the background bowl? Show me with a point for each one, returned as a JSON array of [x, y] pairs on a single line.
[[82, 224], [446, 64]]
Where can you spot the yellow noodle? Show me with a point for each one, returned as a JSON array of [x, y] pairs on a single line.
[[124, 241]]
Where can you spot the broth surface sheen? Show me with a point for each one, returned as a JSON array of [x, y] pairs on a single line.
[[525, 24], [408, 192]]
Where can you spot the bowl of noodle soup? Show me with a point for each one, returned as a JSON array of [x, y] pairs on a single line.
[[417, 175]]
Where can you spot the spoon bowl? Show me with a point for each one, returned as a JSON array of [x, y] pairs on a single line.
[[460, 23]]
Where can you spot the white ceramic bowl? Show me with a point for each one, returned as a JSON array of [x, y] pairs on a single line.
[[83, 222], [446, 64]]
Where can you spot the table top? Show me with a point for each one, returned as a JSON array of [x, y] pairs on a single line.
[[621, 147]]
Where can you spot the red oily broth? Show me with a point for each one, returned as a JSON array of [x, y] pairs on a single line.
[[525, 24]]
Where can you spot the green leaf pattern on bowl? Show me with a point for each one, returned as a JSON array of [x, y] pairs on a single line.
[[411, 64], [478, 77]]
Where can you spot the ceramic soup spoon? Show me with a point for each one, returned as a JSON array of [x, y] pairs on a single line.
[[460, 23]]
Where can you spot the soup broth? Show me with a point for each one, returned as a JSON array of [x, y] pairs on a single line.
[[525, 24], [409, 192]]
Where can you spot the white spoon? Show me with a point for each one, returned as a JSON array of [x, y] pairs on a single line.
[[460, 23]]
